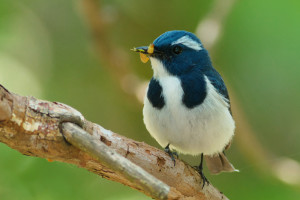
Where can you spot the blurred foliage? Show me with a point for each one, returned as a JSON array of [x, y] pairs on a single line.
[[46, 50]]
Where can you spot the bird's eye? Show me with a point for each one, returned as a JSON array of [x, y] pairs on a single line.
[[177, 49]]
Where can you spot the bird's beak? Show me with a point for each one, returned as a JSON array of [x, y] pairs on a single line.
[[144, 49], [145, 52]]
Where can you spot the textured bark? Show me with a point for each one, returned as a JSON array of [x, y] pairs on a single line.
[[34, 128]]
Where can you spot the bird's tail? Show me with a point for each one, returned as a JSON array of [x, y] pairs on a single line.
[[219, 163]]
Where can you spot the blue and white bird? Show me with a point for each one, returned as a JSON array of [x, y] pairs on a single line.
[[187, 107]]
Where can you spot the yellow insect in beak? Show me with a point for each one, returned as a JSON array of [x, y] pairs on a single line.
[[150, 49], [145, 52], [144, 58]]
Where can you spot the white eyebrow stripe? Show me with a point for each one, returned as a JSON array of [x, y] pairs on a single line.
[[189, 42]]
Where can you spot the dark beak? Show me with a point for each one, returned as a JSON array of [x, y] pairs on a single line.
[[143, 49], [149, 50]]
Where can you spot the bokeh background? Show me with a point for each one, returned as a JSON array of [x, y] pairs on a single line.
[[77, 52]]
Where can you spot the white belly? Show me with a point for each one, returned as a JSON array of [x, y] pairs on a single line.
[[207, 128]]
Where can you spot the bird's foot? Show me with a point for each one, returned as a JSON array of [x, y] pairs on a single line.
[[204, 179], [171, 153]]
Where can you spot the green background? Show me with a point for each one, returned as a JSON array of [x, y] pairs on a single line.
[[47, 51]]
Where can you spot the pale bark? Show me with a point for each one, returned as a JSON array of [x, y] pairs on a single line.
[[39, 128]]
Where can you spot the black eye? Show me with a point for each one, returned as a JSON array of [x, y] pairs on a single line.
[[177, 49]]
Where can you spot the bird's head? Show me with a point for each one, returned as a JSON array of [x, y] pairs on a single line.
[[175, 53]]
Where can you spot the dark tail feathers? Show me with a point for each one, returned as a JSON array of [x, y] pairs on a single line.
[[219, 163]]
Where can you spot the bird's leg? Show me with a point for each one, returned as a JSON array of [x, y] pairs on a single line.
[[171, 154], [200, 170]]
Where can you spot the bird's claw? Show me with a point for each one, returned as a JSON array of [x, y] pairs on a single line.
[[204, 179], [171, 154]]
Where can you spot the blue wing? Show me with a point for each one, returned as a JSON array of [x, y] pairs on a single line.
[[216, 80]]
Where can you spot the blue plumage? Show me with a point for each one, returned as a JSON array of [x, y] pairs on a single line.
[[194, 88], [189, 66], [154, 94]]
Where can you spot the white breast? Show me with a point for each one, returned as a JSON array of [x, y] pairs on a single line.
[[207, 128]]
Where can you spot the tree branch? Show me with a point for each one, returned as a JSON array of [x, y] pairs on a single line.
[[86, 142], [33, 126]]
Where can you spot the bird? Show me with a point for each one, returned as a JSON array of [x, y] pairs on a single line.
[[186, 106]]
